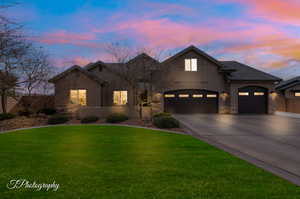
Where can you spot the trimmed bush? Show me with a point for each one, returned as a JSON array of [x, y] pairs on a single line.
[[165, 122], [162, 114], [47, 111], [89, 119], [25, 113], [116, 118], [6, 116], [58, 119]]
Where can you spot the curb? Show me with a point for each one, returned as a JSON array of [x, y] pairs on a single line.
[[287, 175]]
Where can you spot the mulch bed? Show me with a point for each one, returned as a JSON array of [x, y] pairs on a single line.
[[27, 122], [22, 122]]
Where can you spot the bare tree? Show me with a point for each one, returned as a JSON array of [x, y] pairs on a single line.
[[35, 70], [22, 65], [139, 68]]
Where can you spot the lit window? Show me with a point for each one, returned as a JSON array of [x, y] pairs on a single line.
[[78, 97], [197, 96], [297, 94], [211, 96], [243, 94], [190, 64], [183, 95], [259, 93], [120, 97], [169, 95]]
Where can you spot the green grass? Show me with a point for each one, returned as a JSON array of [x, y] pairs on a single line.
[[122, 162]]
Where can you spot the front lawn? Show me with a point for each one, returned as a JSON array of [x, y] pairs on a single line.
[[123, 162]]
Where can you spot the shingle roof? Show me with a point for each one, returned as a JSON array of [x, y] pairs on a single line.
[[288, 83], [73, 68], [239, 71]]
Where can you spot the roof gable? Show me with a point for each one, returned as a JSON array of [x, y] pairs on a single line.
[[198, 51], [72, 69]]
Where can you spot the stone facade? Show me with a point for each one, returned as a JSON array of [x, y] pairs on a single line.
[[287, 101]]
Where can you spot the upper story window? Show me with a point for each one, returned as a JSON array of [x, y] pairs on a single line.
[[78, 97], [191, 65]]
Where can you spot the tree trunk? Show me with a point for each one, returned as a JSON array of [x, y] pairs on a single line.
[[3, 102]]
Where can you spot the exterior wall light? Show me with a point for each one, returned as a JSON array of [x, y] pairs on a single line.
[[273, 94], [224, 95]]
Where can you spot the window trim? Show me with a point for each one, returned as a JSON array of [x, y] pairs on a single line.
[[191, 65], [197, 96], [183, 95], [259, 94], [120, 91], [244, 94], [78, 97], [169, 95], [211, 95], [297, 94]]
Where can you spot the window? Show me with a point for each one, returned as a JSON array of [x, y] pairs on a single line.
[[120, 97], [211, 96], [259, 93], [169, 95], [183, 95], [78, 97], [297, 94], [243, 94], [190, 64], [197, 96]]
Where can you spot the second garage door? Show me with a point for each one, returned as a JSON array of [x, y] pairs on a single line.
[[191, 101], [253, 100]]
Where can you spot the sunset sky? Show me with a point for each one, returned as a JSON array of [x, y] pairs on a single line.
[[261, 33]]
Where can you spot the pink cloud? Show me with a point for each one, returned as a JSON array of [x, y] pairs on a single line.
[[86, 39], [166, 33], [286, 11]]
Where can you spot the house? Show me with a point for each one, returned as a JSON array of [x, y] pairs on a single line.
[[189, 82], [289, 95], [10, 104]]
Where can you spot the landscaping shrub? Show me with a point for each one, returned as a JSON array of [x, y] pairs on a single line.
[[165, 122], [25, 113], [116, 118], [58, 119], [47, 111], [89, 119], [6, 116], [162, 114]]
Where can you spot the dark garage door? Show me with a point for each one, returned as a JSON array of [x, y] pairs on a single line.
[[191, 101], [253, 100]]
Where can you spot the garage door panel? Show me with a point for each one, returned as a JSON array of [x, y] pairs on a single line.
[[197, 102], [253, 100]]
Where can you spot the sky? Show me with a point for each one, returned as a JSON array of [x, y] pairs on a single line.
[[261, 33]]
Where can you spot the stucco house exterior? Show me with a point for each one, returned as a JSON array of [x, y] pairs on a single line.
[[289, 95], [189, 82]]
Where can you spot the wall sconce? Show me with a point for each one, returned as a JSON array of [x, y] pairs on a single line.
[[273, 94], [224, 95]]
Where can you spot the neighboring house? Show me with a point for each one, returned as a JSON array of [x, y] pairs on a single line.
[[194, 82], [289, 95], [10, 103]]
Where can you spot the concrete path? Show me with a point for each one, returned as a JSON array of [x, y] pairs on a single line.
[[269, 141]]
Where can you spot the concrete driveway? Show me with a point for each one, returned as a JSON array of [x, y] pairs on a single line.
[[269, 141]]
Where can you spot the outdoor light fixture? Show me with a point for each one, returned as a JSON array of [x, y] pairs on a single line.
[[224, 95], [273, 94]]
